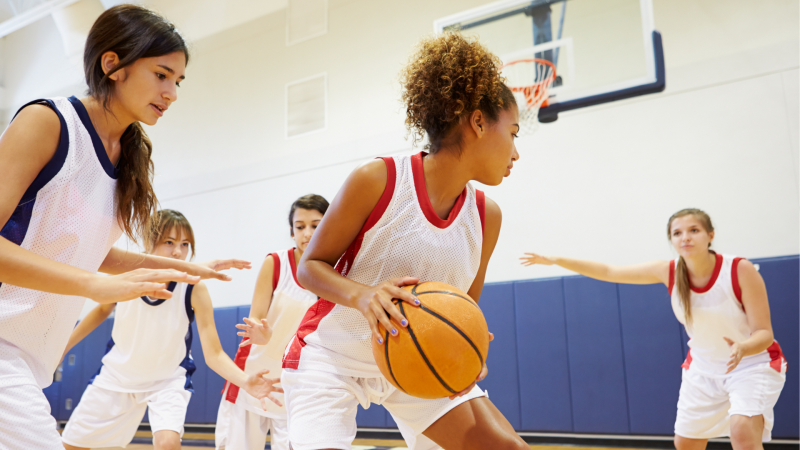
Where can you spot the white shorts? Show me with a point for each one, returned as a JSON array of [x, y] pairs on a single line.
[[246, 430], [25, 420], [105, 418], [322, 409], [706, 404]]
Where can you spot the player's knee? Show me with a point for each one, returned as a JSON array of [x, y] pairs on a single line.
[[167, 440], [744, 436], [510, 442]]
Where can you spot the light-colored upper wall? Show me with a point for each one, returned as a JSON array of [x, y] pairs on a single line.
[[599, 183]]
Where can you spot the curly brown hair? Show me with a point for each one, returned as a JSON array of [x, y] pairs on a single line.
[[446, 79]]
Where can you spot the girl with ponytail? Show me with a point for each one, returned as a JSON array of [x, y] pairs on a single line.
[[74, 175], [735, 370]]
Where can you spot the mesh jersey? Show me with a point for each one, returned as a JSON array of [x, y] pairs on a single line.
[[717, 311], [288, 305], [403, 236], [69, 215], [150, 344]]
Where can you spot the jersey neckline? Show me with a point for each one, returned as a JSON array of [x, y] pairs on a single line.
[[99, 149], [714, 276], [424, 202], [156, 302], [294, 266]]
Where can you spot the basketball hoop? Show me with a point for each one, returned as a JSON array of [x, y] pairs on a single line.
[[530, 80]]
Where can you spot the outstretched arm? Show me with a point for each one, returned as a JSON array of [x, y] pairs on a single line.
[[88, 324], [342, 222], [256, 385], [120, 261], [27, 145], [255, 329], [645, 273]]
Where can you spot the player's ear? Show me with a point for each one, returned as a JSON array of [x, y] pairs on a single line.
[[477, 122]]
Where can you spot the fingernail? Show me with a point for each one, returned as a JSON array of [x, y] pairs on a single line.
[[394, 331], [404, 322], [416, 301], [380, 341]]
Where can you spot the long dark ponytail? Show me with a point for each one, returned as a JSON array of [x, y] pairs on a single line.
[[681, 271], [132, 32]]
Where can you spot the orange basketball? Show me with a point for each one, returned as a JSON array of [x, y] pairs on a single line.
[[442, 350]]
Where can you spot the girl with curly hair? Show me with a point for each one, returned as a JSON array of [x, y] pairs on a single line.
[[398, 220]]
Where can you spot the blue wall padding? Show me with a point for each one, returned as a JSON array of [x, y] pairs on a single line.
[[374, 417], [653, 355], [597, 375], [543, 356], [570, 354], [502, 383], [780, 276], [196, 411]]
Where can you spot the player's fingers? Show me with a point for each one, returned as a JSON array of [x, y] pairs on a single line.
[[729, 341], [251, 322], [404, 281], [383, 319], [274, 400], [155, 290], [373, 325], [245, 343], [402, 294], [261, 373], [165, 275], [393, 311], [491, 336]]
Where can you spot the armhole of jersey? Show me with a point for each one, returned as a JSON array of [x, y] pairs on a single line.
[[671, 276], [737, 288], [276, 270], [386, 197], [480, 201], [57, 161], [188, 303]]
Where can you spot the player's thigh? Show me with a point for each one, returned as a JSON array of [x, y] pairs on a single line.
[[321, 408], [25, 420], [104, 418], [278, 433], [475, 424], [753, 395], [702, 407], [167, 409], [246, 430]]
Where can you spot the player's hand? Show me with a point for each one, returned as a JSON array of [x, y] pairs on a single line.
[[254, 332], [533, 258], [481, 376], [135, 284], [262, 388], [737, 353], [375, 301], [211, 269]]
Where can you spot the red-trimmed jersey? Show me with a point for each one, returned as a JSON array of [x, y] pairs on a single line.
[[717, 312], [402, 237], [289, 303]]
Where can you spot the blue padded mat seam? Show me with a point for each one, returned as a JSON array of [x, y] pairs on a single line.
[[569, 368], [624, 360]]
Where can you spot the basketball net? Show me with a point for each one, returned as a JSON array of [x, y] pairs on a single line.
[[530, 81]]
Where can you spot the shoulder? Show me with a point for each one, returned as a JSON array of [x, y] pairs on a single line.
[[493, 217], [746, 270], [372, 172], [38, 122], [199, 290], [492, 210]]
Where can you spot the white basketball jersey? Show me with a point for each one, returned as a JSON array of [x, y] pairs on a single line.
[[403, 236], [717, 311], [288, 305], [69, 215], [150, 344]]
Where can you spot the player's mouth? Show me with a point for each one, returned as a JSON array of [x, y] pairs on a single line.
[[159, 109]]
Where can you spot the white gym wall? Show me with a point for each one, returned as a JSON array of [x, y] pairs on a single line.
[[600, 183]]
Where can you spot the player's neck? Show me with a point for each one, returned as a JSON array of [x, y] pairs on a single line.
[[701, 266], [445, 179]]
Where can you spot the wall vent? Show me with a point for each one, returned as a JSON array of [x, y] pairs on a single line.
[[306, 106], [305, 19]]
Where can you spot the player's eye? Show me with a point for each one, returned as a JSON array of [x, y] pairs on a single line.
[[161, 76]]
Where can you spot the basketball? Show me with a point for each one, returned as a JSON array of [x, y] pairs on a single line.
[[443, 349]]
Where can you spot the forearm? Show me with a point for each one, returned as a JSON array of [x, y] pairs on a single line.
[[86, 326], [323, 280], [591, 269], [759, 341], [26, 269], [222, 364], [120, 261]]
